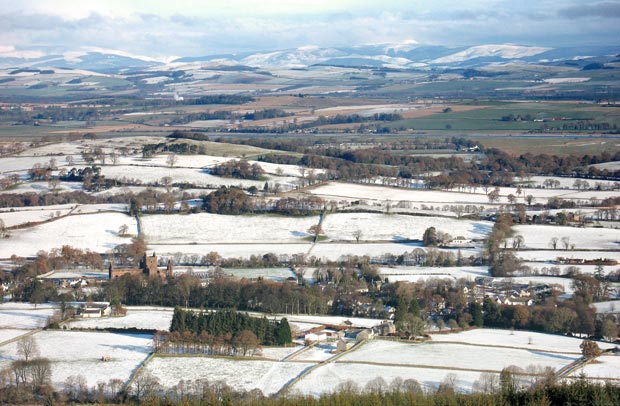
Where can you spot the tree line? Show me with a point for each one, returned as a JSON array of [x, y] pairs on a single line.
[[229, 322]]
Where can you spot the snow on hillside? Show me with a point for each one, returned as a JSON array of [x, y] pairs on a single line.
[[300, 57], [529, 340], [605, 367], [267, 376], [328, 377], [450, 355], [79, 354], [506, 51]]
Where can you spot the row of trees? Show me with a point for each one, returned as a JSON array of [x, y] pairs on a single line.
[[501, 260], [240, 169], [508, 388]]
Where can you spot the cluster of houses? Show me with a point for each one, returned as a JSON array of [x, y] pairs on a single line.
[[346, 335], [507, 293]]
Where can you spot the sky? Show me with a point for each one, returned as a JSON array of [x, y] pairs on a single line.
[[172, 28]]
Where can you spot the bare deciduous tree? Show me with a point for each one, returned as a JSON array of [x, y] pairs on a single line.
[[122, 230], [554, 242], [357, 234], [27, 348], [566, 243], [144, 385], [3, 229], [172, 160]]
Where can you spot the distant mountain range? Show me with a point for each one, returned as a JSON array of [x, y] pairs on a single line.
[[406, 55]]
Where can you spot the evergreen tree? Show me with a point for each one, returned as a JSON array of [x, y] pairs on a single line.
[[283, 332], [477, 314], [414, 307]]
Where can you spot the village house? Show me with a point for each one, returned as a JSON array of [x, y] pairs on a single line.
[[342, 345], [315, 337], [387, 328], [459, 242], [94, 310]]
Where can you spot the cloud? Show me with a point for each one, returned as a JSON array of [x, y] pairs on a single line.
[[193, 29], [598, 10]]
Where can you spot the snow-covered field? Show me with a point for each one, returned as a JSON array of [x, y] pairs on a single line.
[[318, 353], [206, 227], [346, 191], [75, 274], [612, 306], [277, 353], [416, 273], [22, 164], [209, 161], [529, 340], [24, 316], [97, 232], [451, 355], [43, 187], [196, 176], [327, 378], [336, 320], [565, 183], [539, 236], [395, 226], [606, 367], [7, 334], [80, 353], [267, 376], [24, 215], [610, 166], [141, 318], [552, 255], [215, 228], [275, 274]]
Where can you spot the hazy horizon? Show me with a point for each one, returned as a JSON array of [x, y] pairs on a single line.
[[161, 29]]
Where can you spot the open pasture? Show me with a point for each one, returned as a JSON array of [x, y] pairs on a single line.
[[80, 354], [97, 232]]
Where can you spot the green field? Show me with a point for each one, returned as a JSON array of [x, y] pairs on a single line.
[[489, 118], [552, 145]]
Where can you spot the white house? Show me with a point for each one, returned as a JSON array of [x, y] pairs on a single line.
[[315, 337], [93, 310]]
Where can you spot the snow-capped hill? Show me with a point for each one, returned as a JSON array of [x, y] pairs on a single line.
[[300, 57], [503, 51]]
